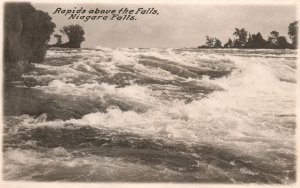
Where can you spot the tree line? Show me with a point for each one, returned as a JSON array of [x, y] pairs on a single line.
[[243, 39], [75, 34]]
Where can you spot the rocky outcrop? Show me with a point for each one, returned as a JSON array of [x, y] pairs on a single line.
[[26, 33]]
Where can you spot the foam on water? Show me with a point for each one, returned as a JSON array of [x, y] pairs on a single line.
[[244, 104], [63, 166]]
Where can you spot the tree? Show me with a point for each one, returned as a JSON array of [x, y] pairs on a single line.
[[58, 38], [258, 41], [277, 41], [283, 43], [236, 43], [75, 35], [212, 42], [209, 42], [229, 44], [217, 43], [293, 33], [249, 41], [241, 35], [273, 39]]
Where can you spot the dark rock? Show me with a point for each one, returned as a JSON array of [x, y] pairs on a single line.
[[26, 33]]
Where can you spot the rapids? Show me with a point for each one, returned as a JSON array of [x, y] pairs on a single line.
[[153, 115]]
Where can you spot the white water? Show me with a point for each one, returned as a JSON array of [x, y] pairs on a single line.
[[250, 112]]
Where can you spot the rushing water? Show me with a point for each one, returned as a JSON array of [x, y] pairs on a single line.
[[148, 115]]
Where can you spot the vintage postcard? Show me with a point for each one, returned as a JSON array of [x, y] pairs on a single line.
[[172, 93]]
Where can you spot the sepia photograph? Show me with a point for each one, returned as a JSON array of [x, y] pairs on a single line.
[[147, 92]]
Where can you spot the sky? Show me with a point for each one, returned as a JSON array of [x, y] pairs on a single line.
[[175, 26]]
